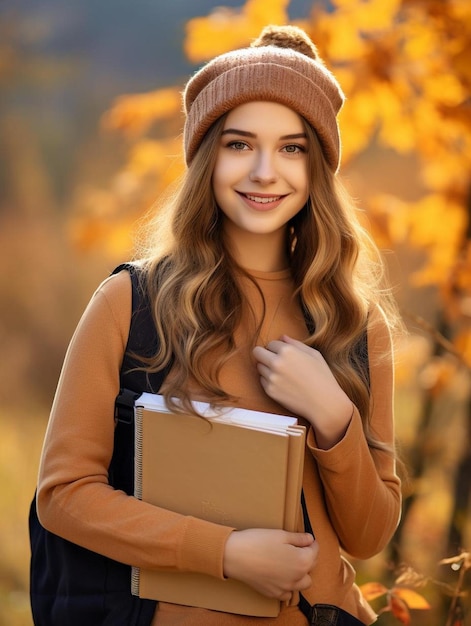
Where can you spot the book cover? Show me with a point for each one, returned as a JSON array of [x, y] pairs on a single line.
[[238, 468]]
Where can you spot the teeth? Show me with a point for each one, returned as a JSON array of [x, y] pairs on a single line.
[[262, 200]]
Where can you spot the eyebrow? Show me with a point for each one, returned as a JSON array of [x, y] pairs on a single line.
[[245, 133]]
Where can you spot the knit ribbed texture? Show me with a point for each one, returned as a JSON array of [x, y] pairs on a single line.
[[266, 72]]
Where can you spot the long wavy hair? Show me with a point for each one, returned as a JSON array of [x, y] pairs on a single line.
[[197, 303]]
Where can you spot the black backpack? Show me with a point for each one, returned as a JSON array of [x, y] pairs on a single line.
[[72, 586]]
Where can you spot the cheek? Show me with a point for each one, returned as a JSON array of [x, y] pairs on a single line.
[[217, 180], [305, 180], [300, 179], [221, 173]]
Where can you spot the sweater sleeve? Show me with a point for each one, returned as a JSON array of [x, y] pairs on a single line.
[[75, 500], [362, 489]]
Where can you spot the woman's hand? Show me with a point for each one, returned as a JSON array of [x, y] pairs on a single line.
[[273, 562], [298, 377]]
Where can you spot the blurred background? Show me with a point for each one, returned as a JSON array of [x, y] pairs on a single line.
[[90, 127]]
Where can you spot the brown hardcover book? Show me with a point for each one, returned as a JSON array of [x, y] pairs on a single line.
[[240, 468]]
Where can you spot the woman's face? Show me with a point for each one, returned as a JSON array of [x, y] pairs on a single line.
[[260, 179]]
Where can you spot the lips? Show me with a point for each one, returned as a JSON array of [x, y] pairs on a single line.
[[261, 201]]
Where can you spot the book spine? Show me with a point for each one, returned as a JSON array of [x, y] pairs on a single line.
[[138, 452], [135, 581], [135, 572]]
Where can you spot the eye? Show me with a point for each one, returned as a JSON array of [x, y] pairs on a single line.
[[294, 148], [238, 145]]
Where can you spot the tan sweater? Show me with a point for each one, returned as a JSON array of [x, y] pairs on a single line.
[[352, 493]]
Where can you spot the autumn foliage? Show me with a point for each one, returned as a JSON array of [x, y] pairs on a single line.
[[399, 600], [405, 68]]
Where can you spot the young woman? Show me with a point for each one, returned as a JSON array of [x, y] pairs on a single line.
[[264, 293]]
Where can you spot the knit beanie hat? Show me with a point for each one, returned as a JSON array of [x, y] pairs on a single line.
[[282, 66]]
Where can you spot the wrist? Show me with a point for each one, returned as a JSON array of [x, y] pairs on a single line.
[[333, 429], [230, 550]]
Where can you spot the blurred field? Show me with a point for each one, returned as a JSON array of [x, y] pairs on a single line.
[[22, 432]]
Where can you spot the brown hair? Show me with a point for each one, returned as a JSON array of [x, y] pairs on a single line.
[[197, 303]]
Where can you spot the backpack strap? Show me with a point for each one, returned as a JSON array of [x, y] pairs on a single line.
[[133, 380], [142, 342]]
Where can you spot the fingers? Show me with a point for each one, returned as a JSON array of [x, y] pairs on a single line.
[[264, 355], [267, 354], [286, 596], [274, 562], [299, 540], [300, 585], [263, 370], [304, 583], [300, 345]]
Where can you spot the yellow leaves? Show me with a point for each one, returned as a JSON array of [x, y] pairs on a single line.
[[357, 123], [460, 9], [155, 157], [413, 599], [399, 609], [418, 40], [437, 225], [369, 15], [263, 12], [397, 128], [100, 224], [406, 73], [227, 29], [434, 224], [371, 591], [341, 39], [447, 173], [345, 28], [399, 600], [428, 217], [444, 89], [134, 114], [108, 218]]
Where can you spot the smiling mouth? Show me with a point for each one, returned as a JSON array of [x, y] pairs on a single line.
[[262, 199]]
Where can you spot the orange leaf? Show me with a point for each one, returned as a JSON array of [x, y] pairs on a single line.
[[371, 591], [413, 599], [227, 29], [399, 609], [135, 113]]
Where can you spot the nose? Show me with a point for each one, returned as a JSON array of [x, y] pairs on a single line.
[[263, 170]]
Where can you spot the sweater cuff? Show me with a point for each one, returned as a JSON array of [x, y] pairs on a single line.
[[202, 548], [339, 454]]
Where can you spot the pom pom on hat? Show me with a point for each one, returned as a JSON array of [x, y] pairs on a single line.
[[287, 37], [282, 66]]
